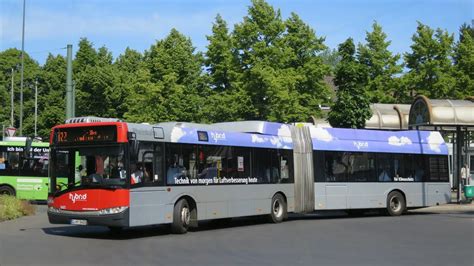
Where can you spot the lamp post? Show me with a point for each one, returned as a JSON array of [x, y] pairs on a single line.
[[12, 121], [22, 68], [36, 106]]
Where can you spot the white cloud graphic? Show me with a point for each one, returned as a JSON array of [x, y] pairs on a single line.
[[394, 140], [276, 141], [284, 131], [176, 134], [434, 141], [320, 134], [257, 139]]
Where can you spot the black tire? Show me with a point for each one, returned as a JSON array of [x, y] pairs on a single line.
[[278, 209], [7, 190], [181, 217], [396, 204]]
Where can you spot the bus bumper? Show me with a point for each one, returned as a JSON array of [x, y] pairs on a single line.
[[89, 218]]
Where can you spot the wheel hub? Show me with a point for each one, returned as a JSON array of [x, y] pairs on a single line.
[[277, 209], [185, 216], [395, 204]]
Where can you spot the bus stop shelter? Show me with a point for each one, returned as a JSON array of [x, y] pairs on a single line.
[[388, 116], [453, 118]]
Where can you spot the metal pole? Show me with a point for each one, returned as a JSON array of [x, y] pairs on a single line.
[[459, 142], [36, 106], [12, 119], [73, 98], [69, 88], [22, 68]]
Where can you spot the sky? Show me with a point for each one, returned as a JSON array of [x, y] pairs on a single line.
[[52, 24]]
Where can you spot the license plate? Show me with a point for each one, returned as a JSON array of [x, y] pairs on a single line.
[[78, 222]]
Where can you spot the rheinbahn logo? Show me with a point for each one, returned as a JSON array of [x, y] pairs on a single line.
[[77, 197]]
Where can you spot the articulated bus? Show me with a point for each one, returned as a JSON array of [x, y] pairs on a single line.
[[117, 174], [24, 168]]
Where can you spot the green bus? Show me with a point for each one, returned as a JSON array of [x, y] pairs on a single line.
[[24, 168]]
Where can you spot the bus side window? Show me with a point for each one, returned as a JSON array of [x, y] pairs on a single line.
[[2, 161], [141, 170], [385, 171]]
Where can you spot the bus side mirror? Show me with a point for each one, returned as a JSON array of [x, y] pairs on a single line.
[[133, 143]]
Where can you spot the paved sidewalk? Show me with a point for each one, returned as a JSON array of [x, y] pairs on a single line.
[[450, 208]]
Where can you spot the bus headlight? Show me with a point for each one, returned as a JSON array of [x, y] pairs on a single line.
[[54, 210], [113, 210]]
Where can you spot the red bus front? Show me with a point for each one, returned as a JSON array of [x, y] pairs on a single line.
[[88, 170]]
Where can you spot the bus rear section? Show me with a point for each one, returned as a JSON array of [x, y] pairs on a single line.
[[24, 168], [368, 169]]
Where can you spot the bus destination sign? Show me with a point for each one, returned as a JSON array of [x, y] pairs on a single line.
[[80, 135]]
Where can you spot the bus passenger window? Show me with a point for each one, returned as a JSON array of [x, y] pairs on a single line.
[[2, 161], [284, 170], [175, 171], [383, 164]]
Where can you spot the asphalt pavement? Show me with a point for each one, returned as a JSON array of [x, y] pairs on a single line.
[[440, 235]]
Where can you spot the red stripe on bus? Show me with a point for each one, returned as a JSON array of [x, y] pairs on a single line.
[[92, 199]]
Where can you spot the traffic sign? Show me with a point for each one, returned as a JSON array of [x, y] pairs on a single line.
[[10, 131]]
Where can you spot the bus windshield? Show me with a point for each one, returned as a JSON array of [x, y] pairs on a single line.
[[88, 167]]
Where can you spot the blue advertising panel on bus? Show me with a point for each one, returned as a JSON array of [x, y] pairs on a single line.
[[358, 140], [214, 137]]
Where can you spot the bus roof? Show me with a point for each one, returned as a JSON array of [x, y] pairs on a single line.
[[360, 140], [19, 143], [262, 134], [277, 135]]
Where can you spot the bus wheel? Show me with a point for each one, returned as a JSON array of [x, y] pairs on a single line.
[[278, 211], [395, 203], [7, 190], [181, 217]]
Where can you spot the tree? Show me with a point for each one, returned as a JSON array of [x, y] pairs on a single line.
[[219, 57], [52, 93], [257, 43], [128, 67], [226, 100], [464, 62], [11, 59], [95, 78], [330, 57], [279, 66], [430, 63], [173, 79], [307, 69], [381, 66], [352, 107]]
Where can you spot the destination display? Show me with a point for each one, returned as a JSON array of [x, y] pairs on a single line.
[[78, 135]]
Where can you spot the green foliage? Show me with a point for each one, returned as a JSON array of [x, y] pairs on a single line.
[[430, 63], [352, 107], [11, 59], [219, 57], [12, 208], [51, 94], [264, 68], [330, 57], [381, 67], [464, 63], [168, 88], [279, 66]]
